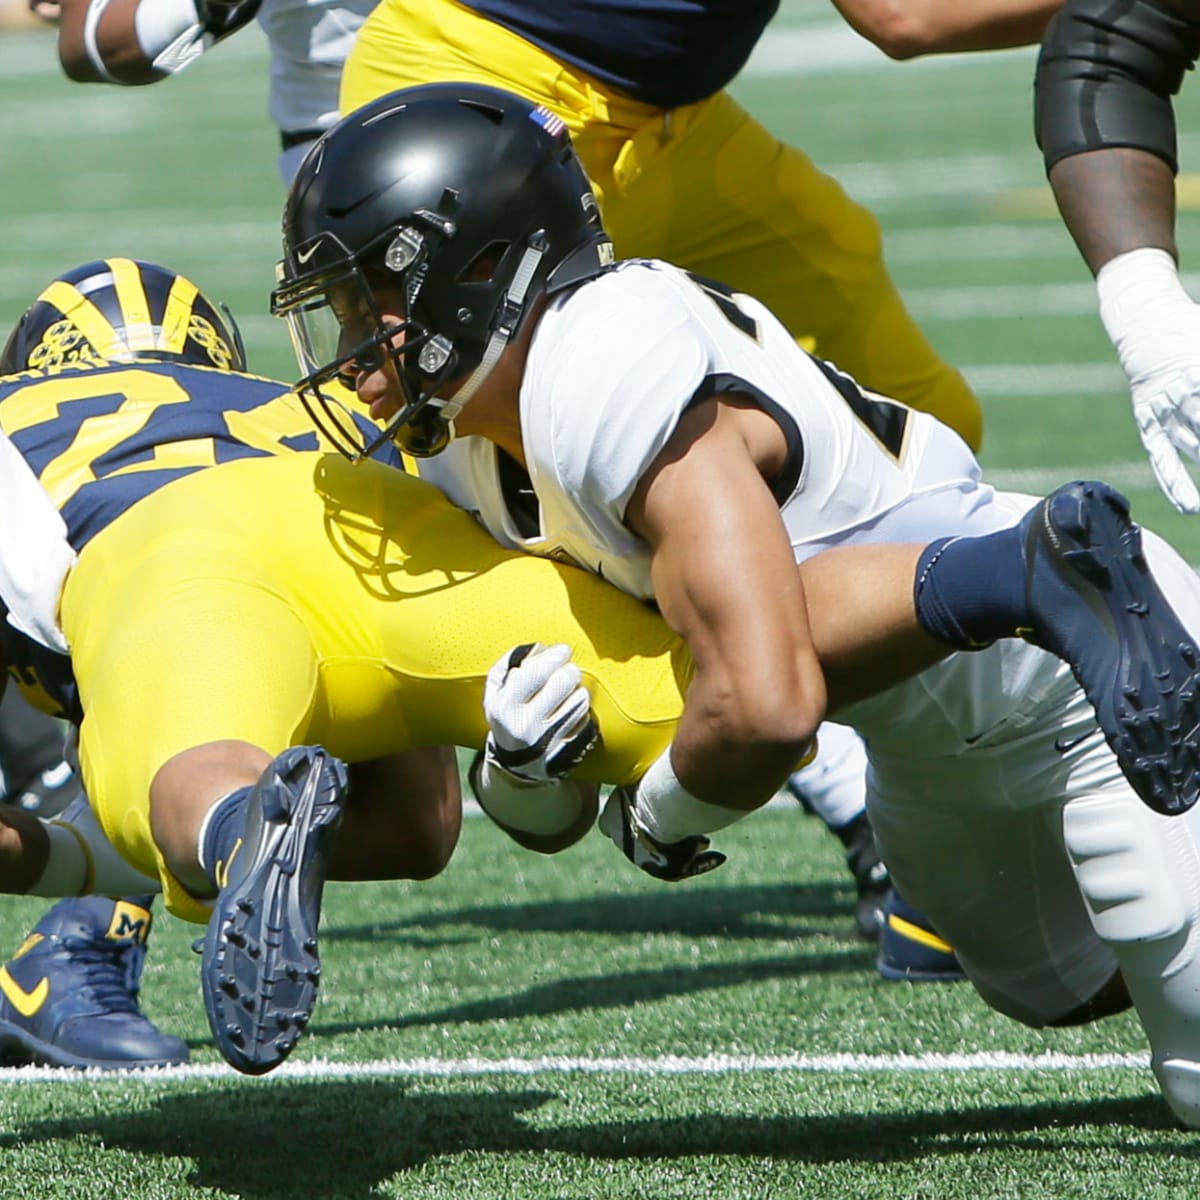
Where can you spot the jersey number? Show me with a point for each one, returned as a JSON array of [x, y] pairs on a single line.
[[886, 420], [726, 301]]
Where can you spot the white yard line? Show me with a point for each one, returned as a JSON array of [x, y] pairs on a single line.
[[709, 1064]]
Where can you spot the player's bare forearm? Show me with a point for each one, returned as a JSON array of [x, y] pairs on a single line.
[[725, 579], [908, 28], [862, 621], [115, 40], [1114, 200]]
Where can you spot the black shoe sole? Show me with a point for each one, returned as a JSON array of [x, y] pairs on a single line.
[[1147, 696]]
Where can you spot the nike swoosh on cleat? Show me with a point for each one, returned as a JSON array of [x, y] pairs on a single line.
[[26, 1003], [1066, 745]]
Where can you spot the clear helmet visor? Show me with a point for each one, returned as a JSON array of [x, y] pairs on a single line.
[[337, 329]]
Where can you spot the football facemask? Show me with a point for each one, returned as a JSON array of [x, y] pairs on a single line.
[[338, 329]]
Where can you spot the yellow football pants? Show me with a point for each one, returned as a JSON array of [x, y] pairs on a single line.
[[302, 600], [704, 186]]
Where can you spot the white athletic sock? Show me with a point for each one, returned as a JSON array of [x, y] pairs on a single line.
[[668, 812]]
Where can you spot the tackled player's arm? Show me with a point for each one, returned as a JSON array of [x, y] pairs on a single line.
[[725, 579], [135, 42], [907, 28], [97, 43]]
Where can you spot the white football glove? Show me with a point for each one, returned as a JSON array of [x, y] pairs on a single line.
[[670, 861], [538, 712], [1155, 327]]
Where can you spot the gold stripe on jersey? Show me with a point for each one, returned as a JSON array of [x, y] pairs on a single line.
[[194, 452], [45, 417], [267, 427], [68, 471]]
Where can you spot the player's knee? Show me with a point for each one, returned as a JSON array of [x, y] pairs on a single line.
[[1126, 868], [1111, 998], [431, 844]]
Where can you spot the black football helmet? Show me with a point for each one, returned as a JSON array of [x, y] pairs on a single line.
[[471, 203], [121, 310]]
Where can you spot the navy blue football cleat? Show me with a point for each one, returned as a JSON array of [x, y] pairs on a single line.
[[261, 967], [909, 948], [69, 995], [1095, 604]]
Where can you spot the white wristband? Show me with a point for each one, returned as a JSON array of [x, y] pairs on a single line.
[[1141, 302], [668, 812], [169, 33], [542, 809]]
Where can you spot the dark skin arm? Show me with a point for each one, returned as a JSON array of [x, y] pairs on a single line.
[[1117, 199], [774, 645], [116, 39]]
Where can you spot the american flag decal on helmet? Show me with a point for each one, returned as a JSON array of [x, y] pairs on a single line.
[[551, 123]]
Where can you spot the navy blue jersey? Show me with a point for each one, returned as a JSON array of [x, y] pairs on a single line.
[[99, 439], [663, 52]]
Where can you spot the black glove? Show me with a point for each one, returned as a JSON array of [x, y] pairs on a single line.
[[220, 18], [670, 861]]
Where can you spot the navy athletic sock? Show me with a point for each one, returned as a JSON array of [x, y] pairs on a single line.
[[970, 591], [221, 836]]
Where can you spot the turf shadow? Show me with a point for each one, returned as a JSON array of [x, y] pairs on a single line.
[[749, 912], [341, 1140]]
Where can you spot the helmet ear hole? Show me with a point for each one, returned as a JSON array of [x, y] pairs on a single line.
[[482, 268]]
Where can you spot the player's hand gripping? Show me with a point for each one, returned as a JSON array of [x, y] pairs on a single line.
[[670, 861], [1155, 327], [538, 713]]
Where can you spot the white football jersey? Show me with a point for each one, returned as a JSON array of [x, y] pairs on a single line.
[[615, 363]]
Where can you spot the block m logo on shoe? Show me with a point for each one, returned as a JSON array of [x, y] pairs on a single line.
[[130, 923]]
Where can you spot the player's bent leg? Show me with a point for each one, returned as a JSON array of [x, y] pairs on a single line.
[[261, 963], [403, 817], [69, 994], [1072, 578], [798, 242], [1139, 874]]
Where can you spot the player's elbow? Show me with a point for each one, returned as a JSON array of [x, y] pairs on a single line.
[[902, 31], [774, 729]]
